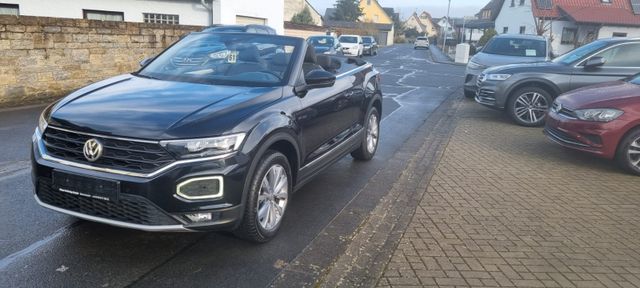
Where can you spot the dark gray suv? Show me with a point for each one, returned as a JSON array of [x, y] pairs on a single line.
[[526, 91]]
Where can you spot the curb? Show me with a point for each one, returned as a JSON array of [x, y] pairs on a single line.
[[449, 62]]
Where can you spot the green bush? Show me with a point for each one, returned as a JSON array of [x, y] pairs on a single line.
[[487, 36]]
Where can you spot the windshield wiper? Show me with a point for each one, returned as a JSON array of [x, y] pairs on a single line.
[[144, 76]]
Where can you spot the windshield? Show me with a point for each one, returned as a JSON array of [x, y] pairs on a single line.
[[348, 39], [578, 53], [228, 58], [516, 47], [422, 38], [321, 41], [368, 40]]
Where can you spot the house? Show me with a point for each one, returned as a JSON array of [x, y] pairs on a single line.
[[375, 20], [186, 12], [423, 23], [292, 7], [447, 27], [570, 23], [485, 19]]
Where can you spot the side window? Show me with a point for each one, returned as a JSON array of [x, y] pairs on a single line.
[[625, 55]]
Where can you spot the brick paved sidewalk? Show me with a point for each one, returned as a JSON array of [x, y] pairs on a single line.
[[507, 208]]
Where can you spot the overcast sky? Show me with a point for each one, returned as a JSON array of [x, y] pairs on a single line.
[[437, 8]]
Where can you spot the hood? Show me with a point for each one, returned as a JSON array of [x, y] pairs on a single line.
[[603, 95], [541, 67], [349, 45], [490, 60], [131, 106]]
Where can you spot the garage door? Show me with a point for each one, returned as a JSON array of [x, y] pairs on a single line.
[[244, 20]]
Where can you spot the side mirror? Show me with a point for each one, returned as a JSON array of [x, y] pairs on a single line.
[[594, 62], [145, 61], [314, 80]]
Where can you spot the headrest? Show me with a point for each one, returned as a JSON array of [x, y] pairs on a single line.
[[250, 54], [327, 62], [310, 55], [280, 59]]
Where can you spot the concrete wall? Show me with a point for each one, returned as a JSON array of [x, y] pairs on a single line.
[[191, 11], [302, 30], [516, 16], [226, 11], [44, 58]]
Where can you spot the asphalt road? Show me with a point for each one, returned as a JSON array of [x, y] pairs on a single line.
[[39, 247]]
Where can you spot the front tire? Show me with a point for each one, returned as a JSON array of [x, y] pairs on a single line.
[[369, 144], [267, 198], [528, 106], [628, 155]]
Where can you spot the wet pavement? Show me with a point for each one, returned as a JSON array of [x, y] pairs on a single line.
[[39, 247]]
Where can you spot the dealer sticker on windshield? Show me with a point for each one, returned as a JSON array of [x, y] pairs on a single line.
[[233, 57], [531, 52]]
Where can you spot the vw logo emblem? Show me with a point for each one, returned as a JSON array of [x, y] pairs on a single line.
[[556, 108], [92, 150]]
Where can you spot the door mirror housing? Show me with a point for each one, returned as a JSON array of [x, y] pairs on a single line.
[[315, 79], [594, 62], [146, 61]]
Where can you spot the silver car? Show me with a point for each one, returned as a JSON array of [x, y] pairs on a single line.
[[505, 49]]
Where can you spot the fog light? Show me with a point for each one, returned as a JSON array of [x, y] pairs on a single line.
[[201, 188], [199, 217]]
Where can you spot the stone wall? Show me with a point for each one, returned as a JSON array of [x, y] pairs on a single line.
[[45, 58]]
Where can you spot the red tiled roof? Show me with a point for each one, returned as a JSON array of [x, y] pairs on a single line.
[[618, 12]]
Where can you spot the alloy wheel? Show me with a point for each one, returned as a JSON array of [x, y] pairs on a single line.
[[633, 153], [531, 107], [372, 133], [272, 198]]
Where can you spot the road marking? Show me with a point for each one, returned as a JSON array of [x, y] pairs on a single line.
[[6, 261]]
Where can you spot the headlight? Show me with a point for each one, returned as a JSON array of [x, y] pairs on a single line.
[[204, 147], [475, 66], [42, 123], [598, 115], [497, 77]]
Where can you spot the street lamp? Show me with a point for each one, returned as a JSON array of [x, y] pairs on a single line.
[[446, 29]]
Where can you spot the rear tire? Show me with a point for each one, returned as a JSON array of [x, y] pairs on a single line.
[[529, 105], [369, 144], [628, 154], [267, 199]]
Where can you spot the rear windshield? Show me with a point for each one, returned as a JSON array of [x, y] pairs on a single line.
[[516, 47], [367, 40], [422, 38], [348, 39]]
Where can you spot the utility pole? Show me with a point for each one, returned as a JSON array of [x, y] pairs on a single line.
[[446, 29]]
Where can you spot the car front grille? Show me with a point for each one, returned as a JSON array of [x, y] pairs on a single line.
[[486, 96], [128, 208], [568, 113], [118, 154], [480, 79]]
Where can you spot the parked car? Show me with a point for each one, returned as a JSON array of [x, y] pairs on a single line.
[[526, 91], [603, 119], [421, 42], [352, 45], [219, 145], [250, 28], [370, 45], [505, 49], [325, 44]]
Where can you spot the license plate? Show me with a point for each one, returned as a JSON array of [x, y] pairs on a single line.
[[83, 186]]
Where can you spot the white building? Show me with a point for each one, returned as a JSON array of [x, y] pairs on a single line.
[[186, 12], [570, 23]]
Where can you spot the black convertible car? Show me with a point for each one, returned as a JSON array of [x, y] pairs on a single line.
[[217, 141]]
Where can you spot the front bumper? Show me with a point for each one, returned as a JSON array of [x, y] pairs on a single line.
[[598, 138], [145, 203], [492, 94]]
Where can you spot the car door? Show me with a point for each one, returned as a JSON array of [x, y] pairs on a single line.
[[327, 117], [621, 61]]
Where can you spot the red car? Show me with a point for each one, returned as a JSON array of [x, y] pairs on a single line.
[[603, 119]]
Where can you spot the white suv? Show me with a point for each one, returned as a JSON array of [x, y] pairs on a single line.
[[351, 45], [421, 42]]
